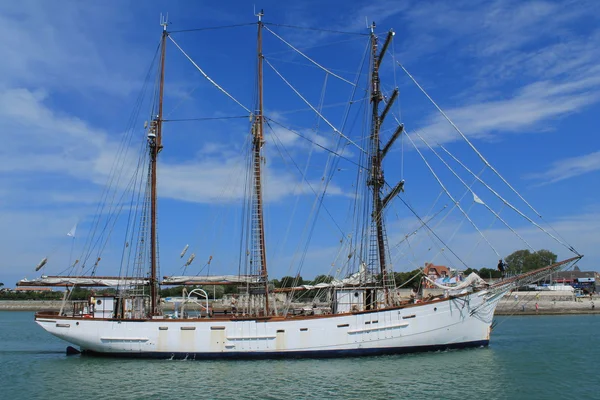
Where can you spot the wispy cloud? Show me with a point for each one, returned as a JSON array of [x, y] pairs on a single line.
[[531, 106], [47, 143], [526, 56], [48, 46], [568, 168]]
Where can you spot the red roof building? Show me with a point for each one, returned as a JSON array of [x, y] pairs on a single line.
[[434, 272]]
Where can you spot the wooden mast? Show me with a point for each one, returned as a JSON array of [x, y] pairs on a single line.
[[155, 141], [257, 144], [376, 179]]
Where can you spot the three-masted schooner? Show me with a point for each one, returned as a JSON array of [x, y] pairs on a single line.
[[364, 315]]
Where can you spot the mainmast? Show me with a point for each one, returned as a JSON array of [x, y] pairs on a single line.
[[155, 144], [258, 228], [376, 179]]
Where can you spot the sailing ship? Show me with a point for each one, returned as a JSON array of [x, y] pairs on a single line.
[[363, 312]]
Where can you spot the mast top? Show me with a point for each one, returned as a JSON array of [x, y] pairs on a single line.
[[260, 14], [164, 21]]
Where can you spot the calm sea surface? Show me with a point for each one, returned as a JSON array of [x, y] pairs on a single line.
[[537, 357]]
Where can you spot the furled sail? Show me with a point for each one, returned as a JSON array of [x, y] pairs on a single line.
[[206, 279], [361, 277], [41, 264], [90, 281], [185, 249], [472, 280]]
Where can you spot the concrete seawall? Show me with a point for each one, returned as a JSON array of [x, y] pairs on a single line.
[[548, 303]]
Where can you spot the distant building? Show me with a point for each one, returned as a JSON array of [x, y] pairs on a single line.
[[585, 280], [434, 272]]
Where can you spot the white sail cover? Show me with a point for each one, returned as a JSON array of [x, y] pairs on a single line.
[[358, 278], [190, 280], [82, 281], [472, 280]]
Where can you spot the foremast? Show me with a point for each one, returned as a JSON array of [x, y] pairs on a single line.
[[258, 226], [378, 249], [155, 146]]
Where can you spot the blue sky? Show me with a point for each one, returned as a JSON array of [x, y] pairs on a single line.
[[520, 79]]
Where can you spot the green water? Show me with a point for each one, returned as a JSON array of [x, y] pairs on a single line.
[[536, 357]]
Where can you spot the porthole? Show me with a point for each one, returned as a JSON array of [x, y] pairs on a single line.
[[98, 302]]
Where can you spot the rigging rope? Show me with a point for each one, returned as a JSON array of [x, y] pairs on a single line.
[[472, 192], [450, 195], [316, 144], [204, 119], [328, 173], [308, 159], [116, 171], [317, 29], [208, 78], [431, 230], [313, 108], [211, 28], [507, 202], [481, 157], [309, 59]]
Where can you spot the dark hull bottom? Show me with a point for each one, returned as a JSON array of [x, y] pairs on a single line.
[[292, 354]]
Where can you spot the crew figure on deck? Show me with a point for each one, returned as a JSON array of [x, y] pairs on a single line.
[[501, 266]]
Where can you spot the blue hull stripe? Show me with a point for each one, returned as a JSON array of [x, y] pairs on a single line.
[[292, 354]]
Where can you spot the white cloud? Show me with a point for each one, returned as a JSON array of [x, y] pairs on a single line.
[[67, 46], [579, 230], [568, 168], [51, 143], [526, 56], [532, 104]]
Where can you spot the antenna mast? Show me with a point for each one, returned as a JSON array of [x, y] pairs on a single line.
[[258, 228], [155, 143]]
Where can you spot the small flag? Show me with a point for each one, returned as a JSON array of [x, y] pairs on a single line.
[[72, 231], [476, 199]]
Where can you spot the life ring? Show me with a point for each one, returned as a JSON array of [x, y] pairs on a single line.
[[87, 315]]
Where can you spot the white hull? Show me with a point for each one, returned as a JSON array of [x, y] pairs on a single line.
[[453, 323]]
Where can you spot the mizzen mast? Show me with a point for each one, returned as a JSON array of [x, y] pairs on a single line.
[[155, 145], [258, 226]]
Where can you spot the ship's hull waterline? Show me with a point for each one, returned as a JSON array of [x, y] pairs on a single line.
[[438, 325]]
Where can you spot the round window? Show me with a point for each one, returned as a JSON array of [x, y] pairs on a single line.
[[355, 294], [98, 302]]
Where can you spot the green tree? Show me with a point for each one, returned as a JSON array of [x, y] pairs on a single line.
[[290, 281], [523, 260], [322, 279], [79, 293], [517, 261], [541, 259], [487, 273], [408, 280]]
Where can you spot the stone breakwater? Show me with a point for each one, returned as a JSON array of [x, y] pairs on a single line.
[[548, 303], [30, 305]]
